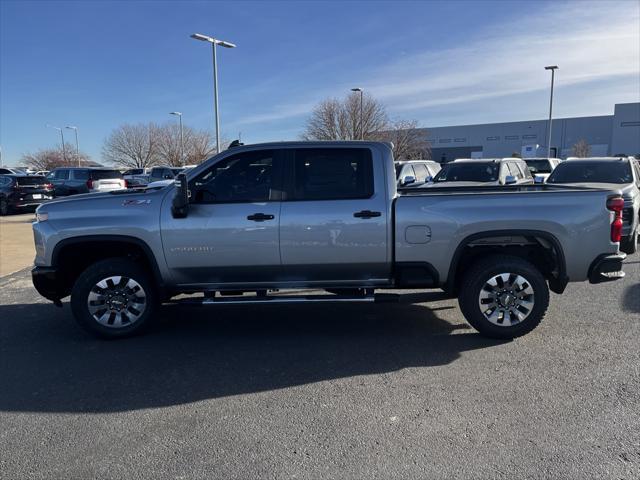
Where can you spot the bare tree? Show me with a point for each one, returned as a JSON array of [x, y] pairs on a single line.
[[50, 158], [334, 119], [198, 145], [133, 146], [581, 149], [409, 142]]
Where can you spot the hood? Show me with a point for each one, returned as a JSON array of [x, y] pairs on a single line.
[[85, 200]]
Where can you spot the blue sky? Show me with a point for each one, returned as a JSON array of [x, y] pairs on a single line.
[[99, 64]]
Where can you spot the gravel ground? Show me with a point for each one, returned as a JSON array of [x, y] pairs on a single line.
[[341, 391]]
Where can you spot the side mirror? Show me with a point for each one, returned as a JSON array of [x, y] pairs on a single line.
[[510, 180], [429, 179], [180, 203], [407, 180], [538, 179], [168, 177]]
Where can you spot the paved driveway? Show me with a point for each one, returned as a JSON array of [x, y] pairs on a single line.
[[360, 391]]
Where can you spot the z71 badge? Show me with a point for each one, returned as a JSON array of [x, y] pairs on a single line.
[[131, 203]]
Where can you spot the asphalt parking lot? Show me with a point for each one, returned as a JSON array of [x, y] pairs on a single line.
[[341, 391]]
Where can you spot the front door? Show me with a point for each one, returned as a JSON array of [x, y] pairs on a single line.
[[230, 235]]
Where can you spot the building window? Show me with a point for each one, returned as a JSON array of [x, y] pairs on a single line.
[[529, 137], [444, 140], [630, 124], [460, 140], [511, 137], [493, 138]]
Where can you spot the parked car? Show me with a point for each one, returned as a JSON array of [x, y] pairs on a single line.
[[619, 173], [136, 177], [42, 173], [412, 173], [11, 171], [19, 192], [74, 180], [541, 168], [164, 173], [321, 215], [477, 172]]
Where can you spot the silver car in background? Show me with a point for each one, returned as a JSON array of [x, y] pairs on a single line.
[[541, 168], [608, 172], [413, 173], [479, 172]]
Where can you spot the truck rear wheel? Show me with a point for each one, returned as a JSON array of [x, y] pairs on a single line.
[[114, 298], [503, 296]]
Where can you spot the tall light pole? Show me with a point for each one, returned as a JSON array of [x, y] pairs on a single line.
[[179, 114], [222, 43], [358, 89], [64, 153], [75, 129], [553, 69]]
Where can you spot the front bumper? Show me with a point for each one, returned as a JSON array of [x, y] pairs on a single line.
[[607, 268], [48, 283]]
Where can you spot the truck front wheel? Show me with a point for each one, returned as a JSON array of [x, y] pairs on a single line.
[[503, 296], [114, 298]]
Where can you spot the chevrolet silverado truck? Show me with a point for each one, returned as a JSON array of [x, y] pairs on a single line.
[[257, 219]]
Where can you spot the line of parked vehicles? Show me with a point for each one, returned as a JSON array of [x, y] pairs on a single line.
[[22, 190]]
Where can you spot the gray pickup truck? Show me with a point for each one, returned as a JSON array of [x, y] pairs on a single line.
[[321, 216]]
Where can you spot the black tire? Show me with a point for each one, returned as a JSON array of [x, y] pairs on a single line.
[[480, 274], [629, 245], [4, 207], [113, 267]]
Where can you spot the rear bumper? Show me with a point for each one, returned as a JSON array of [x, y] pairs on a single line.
[[47, 282], [606, 268]]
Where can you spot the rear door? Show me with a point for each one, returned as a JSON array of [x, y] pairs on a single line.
[[333, 225], [59, 178]]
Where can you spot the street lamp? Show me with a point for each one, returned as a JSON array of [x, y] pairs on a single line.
[[214, 42], [75, 129], [64, 153], [179, 114], [358, 89], [553, 69]]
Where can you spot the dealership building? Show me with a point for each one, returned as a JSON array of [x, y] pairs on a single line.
[[607, 135]]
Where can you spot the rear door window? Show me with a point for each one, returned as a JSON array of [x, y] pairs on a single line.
[[81, 174], [332, 174], [421, 172], [62, 174]]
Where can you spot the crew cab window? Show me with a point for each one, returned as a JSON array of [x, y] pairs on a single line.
[[245, 177], [332, 174]]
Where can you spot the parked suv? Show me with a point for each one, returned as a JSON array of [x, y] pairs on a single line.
[[476, 172], [541, 168], [411, 173], [23, 191], [619, 173], [71, 181]]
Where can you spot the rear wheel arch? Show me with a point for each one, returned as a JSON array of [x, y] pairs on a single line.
[[540, 248]]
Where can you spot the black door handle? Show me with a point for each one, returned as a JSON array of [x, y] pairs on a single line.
[[260, 217], [366, 214]]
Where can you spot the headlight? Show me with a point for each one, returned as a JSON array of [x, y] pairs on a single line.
[[42, 216]]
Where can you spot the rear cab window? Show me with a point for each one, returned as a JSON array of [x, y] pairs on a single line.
[[332, 174], [105, 174], [20, 181]]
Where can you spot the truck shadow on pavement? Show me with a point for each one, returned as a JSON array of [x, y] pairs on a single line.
[[631, 299], [195, 353]]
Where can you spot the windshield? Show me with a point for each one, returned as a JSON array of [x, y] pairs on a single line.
[[31, 180], [103, 174], [591, 172], [468, 172], [539, 166]]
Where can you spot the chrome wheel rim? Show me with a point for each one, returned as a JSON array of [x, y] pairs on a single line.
[[117, 301], [506, 299]]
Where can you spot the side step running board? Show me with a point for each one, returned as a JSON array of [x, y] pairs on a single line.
[[283, 299]]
